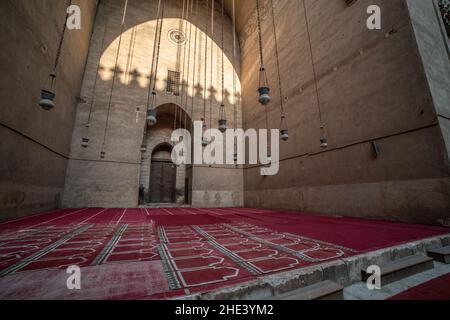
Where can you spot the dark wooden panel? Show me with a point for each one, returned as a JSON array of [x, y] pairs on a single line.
[[155, 182], [168, 185], [162, 182]]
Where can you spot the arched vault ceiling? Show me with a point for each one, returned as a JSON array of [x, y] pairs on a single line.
[[244, 11]]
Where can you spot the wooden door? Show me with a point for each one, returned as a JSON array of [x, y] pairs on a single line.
[[162, 182]]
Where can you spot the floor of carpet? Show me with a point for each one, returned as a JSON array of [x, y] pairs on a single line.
[[436, 289], [187, 250]]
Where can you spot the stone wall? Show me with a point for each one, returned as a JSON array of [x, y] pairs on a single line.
[[372, 88], [34, 144], [114, 180], [434, 50], [385, 86]]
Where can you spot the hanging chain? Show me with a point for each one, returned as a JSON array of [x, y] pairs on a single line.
[[235, 142], [158, 49], [115, 74], [277, 55], [188, 43], [212, 63], [183, 83], [258, 17], [178, 64], [194, 67], [94, 89], [267, 117], [159, 45], [234, 67], [313, 65], [188, 70], [205, 91], [152, 74], [179, 50], [61, 41], [223, 55]]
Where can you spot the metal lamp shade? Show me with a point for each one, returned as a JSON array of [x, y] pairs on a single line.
[[222, 125], [151, 117], [264, 97], [85, 143], [47, 101], [324, 143], [285, 135]]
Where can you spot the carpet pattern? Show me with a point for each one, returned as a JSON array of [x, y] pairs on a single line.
[[436, 289], [193, 250]]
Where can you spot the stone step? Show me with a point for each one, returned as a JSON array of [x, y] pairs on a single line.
[[163, 205], [401, 268], [440, 254], [325, 290]]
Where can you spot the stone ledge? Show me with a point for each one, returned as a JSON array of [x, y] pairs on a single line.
[[344, 271], [401, 268], [440, 254], [323, 290]]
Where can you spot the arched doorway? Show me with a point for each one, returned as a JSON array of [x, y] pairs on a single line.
[[163, 175], [157, 171]]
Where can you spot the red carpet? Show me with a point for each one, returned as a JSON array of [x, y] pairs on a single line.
[[436, 289], [186, 250]]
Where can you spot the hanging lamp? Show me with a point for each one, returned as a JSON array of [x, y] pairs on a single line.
[[187, 69], [235, 155], [205, 141], [178, 67], [177, 122], [222, 125], [323, 137], [264, 89], [152, 98], [47, 101], [266, 112], [85, 142], [222, 120], [284, 131], [222, 112], [48, 95], [211, 69], [152, 112], [174, 123], [113, 82], [194, 67]]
